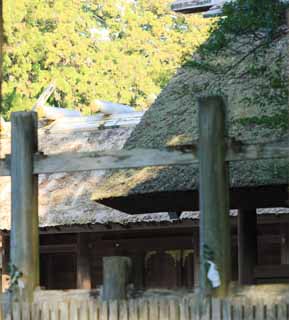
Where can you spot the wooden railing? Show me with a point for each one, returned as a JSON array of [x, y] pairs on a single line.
[[157, 308]]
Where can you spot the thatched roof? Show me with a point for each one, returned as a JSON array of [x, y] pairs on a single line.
[[64, 198], [253, 78]]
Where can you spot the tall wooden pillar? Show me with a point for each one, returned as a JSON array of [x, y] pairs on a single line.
[[83, 262], [116, 272], [247, 245], [24, 243], [215, 242]]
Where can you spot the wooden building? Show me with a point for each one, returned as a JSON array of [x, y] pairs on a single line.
[[157, 233], [256, 112], [152, 214], [76, 232]]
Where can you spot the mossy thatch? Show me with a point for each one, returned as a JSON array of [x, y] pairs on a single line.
[[64, 198], [252, 75]]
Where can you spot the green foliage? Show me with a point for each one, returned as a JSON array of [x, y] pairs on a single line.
[[15, 277], [117, 50], [245, 59], [246, 17]]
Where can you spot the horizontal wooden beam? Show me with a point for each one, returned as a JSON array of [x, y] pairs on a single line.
[[119, 228], [121, 159], [272, 271], [237, 150], [264, 219], [137, 158], [58, 248], [168, 243]]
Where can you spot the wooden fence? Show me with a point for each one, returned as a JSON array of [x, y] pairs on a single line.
[[160, 308]]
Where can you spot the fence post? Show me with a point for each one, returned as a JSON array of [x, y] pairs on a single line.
[[115, 277], [215, 246], [196, 246], [24, 221]]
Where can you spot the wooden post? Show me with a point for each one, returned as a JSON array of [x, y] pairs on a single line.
[[137, 272], [285, 243], [83, 262], [247, 245], [2, 255], [5, 263], [196, 246], [50, 272], [115, 277], [24, 243], [215, 241]]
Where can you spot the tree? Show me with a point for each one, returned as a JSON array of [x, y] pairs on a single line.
[[119, 50]]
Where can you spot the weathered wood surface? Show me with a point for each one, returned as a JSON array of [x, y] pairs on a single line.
[[215, 242], [123, 159], [115, 277], [159, 308], [136, 158], [83, 262], [5, 263], [71, 162], [242, 150], [24, 239], [196, 257], [44, 96]]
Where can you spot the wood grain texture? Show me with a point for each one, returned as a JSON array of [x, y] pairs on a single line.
[[137, 158], [158, 308], [115, 277], [123, 310], [123, 159], [215, 242], [24, 240], [83, 262]]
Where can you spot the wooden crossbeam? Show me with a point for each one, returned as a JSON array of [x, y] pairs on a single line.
[[58, 248], [237, 150], [138, 158], [123, 159], [152, 243]]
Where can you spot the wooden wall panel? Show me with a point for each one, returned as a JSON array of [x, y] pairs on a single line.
[[162, 270], [58, 271]]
